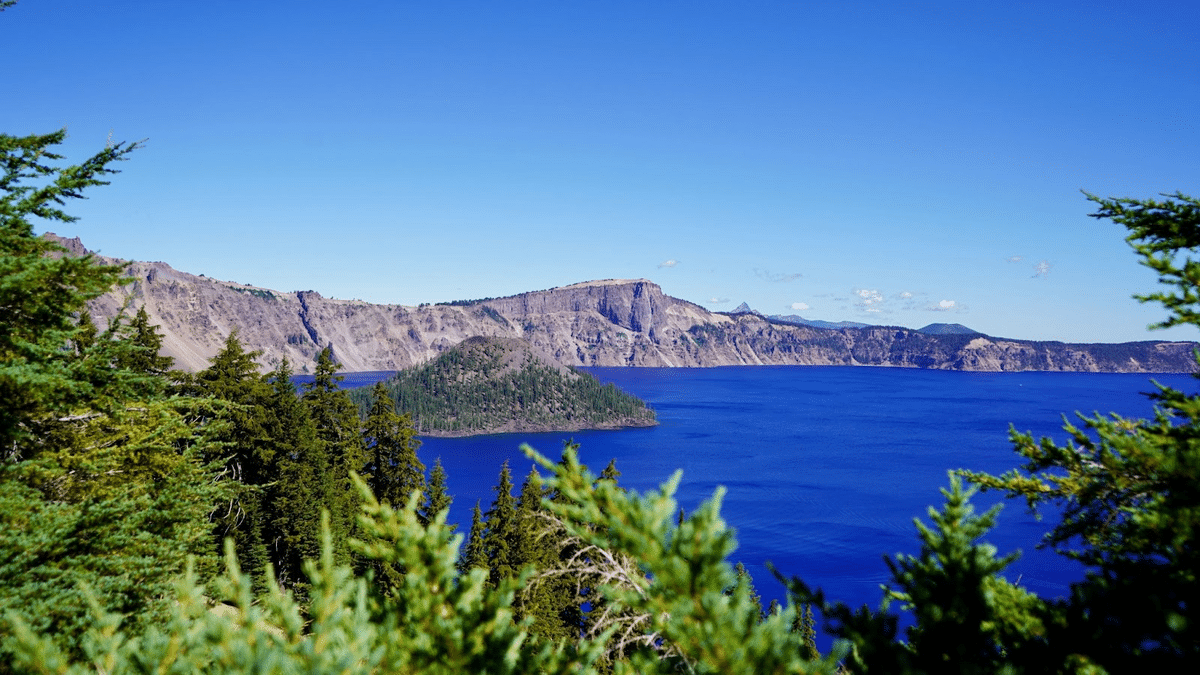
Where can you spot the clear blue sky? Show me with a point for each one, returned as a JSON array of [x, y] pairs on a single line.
[[894, 163]]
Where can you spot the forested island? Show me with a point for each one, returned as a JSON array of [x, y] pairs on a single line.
[[502, 385]]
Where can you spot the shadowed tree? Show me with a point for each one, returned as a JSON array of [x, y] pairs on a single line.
[[301, 483], [394, 471], [147, 342], [501, 535], [473, 554], [437, 499], [338, 428]]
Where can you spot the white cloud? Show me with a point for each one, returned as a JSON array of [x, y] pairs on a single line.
[[946, 306], [868, 296], [905, 295], [718, 301], [1015, 258], [799, 306], [1042, 268], [668, 263]]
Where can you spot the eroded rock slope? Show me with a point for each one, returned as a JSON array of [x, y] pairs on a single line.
[[595, 323]]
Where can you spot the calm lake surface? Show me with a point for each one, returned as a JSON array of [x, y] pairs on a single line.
[[826, 467]]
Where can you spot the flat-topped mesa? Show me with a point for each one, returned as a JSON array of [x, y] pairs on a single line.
[[631, 304], [604, 282]]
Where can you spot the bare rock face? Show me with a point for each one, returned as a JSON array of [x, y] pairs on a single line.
[[597, 323]]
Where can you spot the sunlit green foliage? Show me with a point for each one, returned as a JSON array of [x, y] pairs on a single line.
[[43, 291], [105, 486], [1129, 489]]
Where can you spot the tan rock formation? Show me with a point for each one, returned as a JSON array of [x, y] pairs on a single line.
[[597, 323]]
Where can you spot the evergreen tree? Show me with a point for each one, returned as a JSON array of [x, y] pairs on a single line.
[[550, 599], [43, 291], [805, 625], [301, 483], [249, 448], [104, 492], [500, 540], [745, 584], [474, 556], [85, 335], [338, 428], [394, 471], [147, 341], [610, 472], [437, 499], [1129, 490]]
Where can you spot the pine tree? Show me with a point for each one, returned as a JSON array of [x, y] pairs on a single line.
[[805, 625], [338, 428], [248, 451], [474, 556], [86, 334], [549, 599], [104, 492], [43, 290], [394, 470], [300, 483], [745, 584], [610, 472], [437, 498], [1129, 490], [147, 342], [500, 539]]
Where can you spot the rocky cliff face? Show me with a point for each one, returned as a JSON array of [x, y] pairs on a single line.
[[597, 323]]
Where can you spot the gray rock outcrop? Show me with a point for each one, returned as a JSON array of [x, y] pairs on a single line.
[[596, 323]]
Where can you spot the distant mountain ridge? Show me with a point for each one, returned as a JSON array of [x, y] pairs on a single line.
[[614, 322], [816, 323]]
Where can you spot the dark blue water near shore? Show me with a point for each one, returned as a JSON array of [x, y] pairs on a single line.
[[825, 466]]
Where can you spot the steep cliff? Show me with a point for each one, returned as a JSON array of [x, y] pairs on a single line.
[[596, 323]]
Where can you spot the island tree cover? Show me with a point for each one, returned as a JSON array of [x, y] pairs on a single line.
[[111, 472], [487, 385]]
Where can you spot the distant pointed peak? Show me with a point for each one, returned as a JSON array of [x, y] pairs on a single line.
[[744, 309]]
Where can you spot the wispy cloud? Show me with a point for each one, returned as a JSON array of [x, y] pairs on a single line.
[[718, 301], [800, 306], [1042, 268], [668, 263], [777, 277], [1015, 258]]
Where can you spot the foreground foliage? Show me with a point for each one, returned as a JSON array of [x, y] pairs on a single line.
[[433, 620]]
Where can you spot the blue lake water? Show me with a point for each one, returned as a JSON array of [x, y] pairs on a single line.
[[826, 467]]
